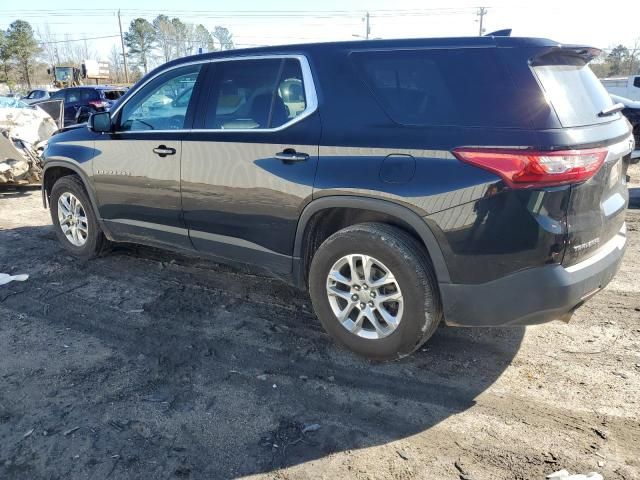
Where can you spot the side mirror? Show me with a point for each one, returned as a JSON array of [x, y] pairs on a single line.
[[100, 122]]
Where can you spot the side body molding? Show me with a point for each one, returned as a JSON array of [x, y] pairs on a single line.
[[376, 205]]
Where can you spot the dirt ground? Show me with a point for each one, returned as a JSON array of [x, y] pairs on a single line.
[[148, 365]]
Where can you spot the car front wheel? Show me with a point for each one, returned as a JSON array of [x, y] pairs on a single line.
[[74, 221]]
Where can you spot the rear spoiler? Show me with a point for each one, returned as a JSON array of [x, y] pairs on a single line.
[[565, 55], [500, 33]]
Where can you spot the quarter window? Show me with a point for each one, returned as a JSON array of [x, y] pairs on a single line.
[[255, 94], [161, 104], [463, 87]]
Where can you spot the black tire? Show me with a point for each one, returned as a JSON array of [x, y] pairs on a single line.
[[407, 260], [96, 242]]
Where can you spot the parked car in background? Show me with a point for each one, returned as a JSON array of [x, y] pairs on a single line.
[[400, 182], [81, 102], [627, 87], [632, 112], [37, 95]]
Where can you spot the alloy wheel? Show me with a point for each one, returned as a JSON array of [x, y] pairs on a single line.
[[365, 296], [72, 218]]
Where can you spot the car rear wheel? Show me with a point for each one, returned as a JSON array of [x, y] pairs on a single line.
[[374, 291], [74, 221]]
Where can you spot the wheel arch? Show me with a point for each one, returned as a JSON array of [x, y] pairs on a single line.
[[399, 215], [55, 170]]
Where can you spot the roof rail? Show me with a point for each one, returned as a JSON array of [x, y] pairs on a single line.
[[500, 33]]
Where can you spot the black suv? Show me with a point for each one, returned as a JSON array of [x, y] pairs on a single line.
[[476, 180], [81, 102]]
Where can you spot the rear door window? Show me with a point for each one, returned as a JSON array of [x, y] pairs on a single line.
[[462, 87], [255, 94], [73, 96], [112, 94], [88, 94], [575, 93]]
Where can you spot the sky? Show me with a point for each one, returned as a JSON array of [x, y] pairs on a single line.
[[253, 22]]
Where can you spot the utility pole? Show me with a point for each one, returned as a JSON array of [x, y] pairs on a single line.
[[482, 11], [367, 26], [124, 54]]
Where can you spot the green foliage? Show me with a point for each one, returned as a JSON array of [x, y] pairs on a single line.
[[140, 40], [165, 36], [203, 39], [19, 45], [224, 37], [617, 60]]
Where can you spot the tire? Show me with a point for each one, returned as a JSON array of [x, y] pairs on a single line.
[[385, 248], [94, 242]]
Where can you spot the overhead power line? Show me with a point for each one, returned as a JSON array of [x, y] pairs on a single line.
[[78, 39]]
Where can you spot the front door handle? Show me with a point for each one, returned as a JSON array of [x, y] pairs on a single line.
[[289, 155], [163, 151]]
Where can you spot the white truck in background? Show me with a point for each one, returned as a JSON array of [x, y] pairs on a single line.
[[627, 87]]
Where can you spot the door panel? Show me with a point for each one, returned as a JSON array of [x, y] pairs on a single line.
[[240, 201], [137, 168], [139, 191]]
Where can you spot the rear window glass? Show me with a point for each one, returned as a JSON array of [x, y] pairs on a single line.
[[113, 94], [575, 93], [463, 87]]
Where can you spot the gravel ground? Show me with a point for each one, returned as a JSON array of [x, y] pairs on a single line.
[[145, 364]]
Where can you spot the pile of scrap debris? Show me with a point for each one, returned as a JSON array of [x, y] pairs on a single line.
[[24, 132]]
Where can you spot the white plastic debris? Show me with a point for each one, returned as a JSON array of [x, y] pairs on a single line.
[[564, 475], [6, 278]]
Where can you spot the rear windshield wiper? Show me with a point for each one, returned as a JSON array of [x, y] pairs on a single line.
[[611, 110]]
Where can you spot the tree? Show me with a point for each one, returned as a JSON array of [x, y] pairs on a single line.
[[140, 39], [23, 47], [224, 37], [49, 46], [5, 57], [165, 36], [184, 33], [116, 69], [617, 59], [633, 60], [203, 39]]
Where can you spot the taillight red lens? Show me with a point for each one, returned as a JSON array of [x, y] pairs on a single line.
[[98, 103], [528, 169]]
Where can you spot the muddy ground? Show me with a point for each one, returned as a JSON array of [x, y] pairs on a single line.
[[144, 364]]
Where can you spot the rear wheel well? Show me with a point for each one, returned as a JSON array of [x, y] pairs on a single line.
[[326, 222], [52, 175]]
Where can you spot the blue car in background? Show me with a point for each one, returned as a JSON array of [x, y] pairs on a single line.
[[81, 102]]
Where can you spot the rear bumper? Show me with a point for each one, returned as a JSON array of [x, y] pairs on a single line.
[[535, 295]]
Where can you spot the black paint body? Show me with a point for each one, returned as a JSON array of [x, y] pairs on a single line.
[[225, 194]]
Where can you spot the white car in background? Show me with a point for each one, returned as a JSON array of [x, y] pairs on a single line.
[[627, 87]]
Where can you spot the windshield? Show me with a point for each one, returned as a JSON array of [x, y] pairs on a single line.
[[64, 74]]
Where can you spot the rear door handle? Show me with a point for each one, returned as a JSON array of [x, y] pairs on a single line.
[[163, 150], [289, 155]]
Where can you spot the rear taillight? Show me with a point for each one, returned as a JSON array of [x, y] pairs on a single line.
[[98, 103], [530, 169]]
